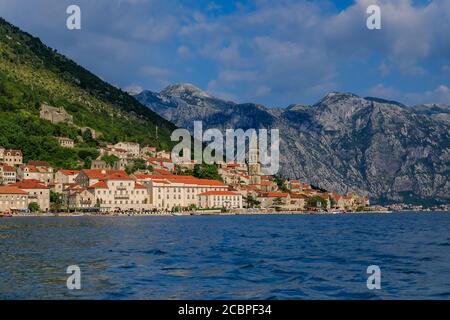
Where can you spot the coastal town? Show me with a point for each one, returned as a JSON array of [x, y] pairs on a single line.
[[127, 178], [156, 186]]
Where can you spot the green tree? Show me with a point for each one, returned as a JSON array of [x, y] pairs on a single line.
[[252, 202], [278, 201], [34, 207], [55, 200], [281, 183], [110, 159], [206, 171], [317, 202]]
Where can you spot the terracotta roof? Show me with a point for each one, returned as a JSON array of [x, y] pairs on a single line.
[[162, 171], [274, 194], [38, 163], [14, 152], [141, 176], [8, 168], [153, 159], [139, 186], [298, 196], [219, 193], [179, 179], [101, 173], [69, 185], [30, 184], [29, 167], [99, 185], [336, 196], [11, 190], [196, 181], [118, 176], [69, 172], [233, 164]]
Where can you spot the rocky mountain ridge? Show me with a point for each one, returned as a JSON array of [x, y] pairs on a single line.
[[344, 142]]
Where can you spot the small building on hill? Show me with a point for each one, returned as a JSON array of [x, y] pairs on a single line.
[[66, 142]]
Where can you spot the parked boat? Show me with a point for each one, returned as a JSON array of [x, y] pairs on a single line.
[[5, 215]]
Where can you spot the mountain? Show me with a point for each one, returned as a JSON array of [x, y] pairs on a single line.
[[438, 112], [342, 143], [32, 74]]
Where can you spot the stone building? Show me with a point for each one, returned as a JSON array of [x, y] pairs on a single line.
[[55, 115], [37, 192], [271, 199], [36, 170], [132, 149], [119, 192], [13, 198], [66, 142], [220, 199], [12, 157], [254, 166], [8, 174], [169, 191], [63, 178]]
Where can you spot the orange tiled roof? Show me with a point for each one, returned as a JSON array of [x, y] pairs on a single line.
[[219, 193], [179, 179], [30, 184], [196, 181], [8, 168], [118, 176], [29, 167], [38, 163], [69, 172], [100, 173], [274, 194], [298, 196], [162, 171], [153, 159], [233, 164], [11, 190], [99, 185], [13, 152]]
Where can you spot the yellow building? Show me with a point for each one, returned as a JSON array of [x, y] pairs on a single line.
[[12, 157], [8, 174], [169, 191], [66, 142], [119, 192], [220, 199], [36, 170], [37, 193], [13, 198]]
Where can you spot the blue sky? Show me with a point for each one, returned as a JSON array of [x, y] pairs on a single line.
[[275, 53]]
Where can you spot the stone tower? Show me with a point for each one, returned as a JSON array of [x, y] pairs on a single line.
[[254, 166]]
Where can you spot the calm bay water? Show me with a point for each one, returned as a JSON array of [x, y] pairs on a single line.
[[227, 257]]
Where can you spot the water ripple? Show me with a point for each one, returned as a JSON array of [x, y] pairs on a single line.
[[238, 257]]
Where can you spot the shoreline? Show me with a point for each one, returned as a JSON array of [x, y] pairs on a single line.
[[196, 214]]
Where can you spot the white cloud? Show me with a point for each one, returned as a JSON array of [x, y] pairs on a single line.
[[440, 94], [297, 48]]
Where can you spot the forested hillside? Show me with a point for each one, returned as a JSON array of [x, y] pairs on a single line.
[[32, 73]]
